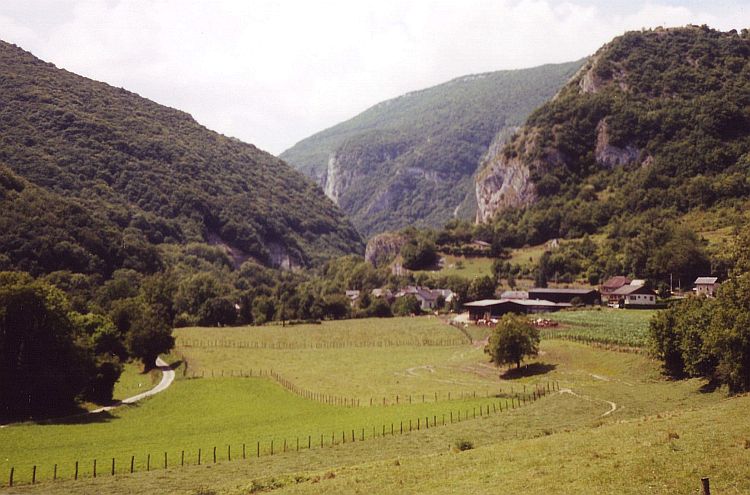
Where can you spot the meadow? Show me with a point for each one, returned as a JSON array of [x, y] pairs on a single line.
[[589, 388]]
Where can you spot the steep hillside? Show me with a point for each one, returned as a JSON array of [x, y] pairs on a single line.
[[93, 177], [410, 160], [657, 122]]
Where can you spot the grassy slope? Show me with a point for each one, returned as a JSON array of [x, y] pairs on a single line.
[[216, 412], [195, 414], [633, 457], [592, 449]]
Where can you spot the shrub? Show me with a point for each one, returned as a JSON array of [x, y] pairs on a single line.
[[461, 444]]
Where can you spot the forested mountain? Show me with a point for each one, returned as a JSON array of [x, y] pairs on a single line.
[[656, 125], [411, 160], [93, 178]]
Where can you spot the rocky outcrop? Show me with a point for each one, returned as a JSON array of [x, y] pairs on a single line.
[[383, 248], [504, 181], [608, 155], [504, 184]]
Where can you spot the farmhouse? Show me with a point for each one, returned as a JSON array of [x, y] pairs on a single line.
[[487, 309], [611, 285], [706, 285], [588, 297], [634, 296], [428, 298]]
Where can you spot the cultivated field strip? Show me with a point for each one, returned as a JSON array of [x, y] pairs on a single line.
[[247, 344], [118, 465], [619, 328]]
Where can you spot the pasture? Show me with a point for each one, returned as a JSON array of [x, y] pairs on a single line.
[[383, 359]]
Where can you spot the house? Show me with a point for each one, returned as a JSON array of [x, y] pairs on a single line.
[[634, 296], [611, 285], [353, 296], [706, 285], [428, 298], [482, 245], [384, 293], [588, 297], [488, 309]]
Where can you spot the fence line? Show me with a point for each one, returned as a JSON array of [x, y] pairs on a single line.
[[339, 400], [258, 344], [266, 448]]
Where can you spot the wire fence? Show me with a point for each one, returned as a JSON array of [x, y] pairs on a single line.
[[172, 458]]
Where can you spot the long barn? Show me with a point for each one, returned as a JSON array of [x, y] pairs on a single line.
[[488, 309]]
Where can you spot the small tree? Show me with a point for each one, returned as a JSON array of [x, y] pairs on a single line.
[[513, 339]]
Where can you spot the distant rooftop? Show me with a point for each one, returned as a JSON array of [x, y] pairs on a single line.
[[706, 280], [561, 291]]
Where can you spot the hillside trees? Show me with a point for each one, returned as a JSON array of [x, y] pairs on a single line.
[[706, 338], [42, 367]]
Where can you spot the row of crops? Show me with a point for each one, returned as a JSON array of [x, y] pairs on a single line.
[[602, 325]]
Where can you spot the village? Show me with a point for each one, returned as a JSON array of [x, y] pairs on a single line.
[[616, 292]]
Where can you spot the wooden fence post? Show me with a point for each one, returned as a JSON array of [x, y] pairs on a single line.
[[214, 455], [10, 482], [113, 466], [148, 462], [75, 476], [33, 476], [243, 451], [705, 486], [182, 458], [229, 452], [94, 468], [199, 457], [54, 473], [165, 460], [132, 463]]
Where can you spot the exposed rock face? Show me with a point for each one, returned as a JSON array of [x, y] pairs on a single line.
[[504, 184], [336, 179], [611, 156], [280, 257], [383, 248]]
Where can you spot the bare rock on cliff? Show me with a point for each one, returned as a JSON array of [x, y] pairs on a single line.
[[383, 248], [610, 156]]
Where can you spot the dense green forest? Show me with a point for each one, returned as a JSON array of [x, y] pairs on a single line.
[[95, 178], [410, 160], [656, 125]]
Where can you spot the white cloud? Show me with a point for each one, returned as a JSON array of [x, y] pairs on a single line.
[[273, 72]]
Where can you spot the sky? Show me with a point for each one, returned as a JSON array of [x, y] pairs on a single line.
[[272, 72]]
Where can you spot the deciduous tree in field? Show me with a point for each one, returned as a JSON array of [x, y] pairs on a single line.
[[512, 340]]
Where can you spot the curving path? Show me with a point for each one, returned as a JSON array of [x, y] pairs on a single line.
[[167, 377], [612, 405]]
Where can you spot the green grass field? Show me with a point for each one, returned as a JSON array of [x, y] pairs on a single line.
[[371, 332], [469, 267], [604, 325], [133, 381], [592, 426]]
